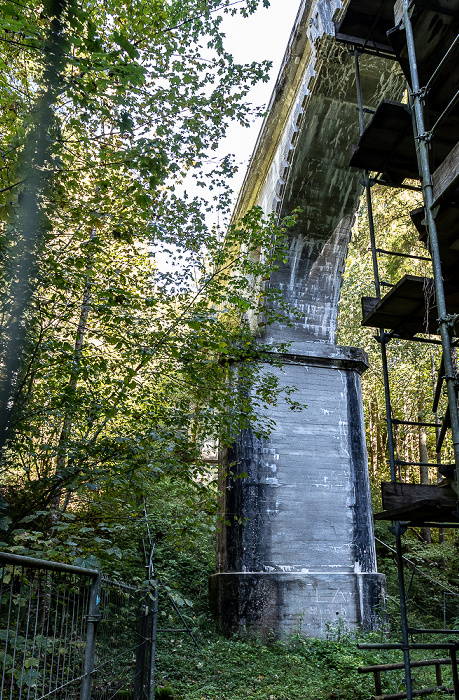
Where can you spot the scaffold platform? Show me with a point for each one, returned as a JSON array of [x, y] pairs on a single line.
[[435, 28], [365, 24], [418, 503], [387, 145], [403, 309]]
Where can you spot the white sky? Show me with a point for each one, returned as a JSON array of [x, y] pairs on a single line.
[[263, 35]]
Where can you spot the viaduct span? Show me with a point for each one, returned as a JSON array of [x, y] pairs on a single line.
[[301, 552]]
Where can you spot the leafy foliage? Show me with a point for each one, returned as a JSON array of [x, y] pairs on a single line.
[[115, 368], [280, 670]]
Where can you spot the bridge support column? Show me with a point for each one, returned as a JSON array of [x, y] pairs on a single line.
[[299, 552]]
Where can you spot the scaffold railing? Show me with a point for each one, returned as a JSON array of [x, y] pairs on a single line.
[[425, 42]]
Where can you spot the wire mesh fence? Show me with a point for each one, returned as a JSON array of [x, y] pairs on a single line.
[[429, 599], [66, 633], [43, 620], [120, 643]]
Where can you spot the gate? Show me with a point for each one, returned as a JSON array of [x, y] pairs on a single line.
[[70, 634]]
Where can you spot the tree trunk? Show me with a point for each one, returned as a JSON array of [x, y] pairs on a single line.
[[72, 383], [424, 472], [441, 530], [20, 264], [371, 447], [380, 448]]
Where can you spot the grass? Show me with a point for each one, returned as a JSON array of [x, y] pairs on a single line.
[[294, 669], [299, 668]]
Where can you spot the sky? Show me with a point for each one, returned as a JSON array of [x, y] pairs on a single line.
[[263, 35]]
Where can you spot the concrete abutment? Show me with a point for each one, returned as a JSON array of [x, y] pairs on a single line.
[[279, 604]]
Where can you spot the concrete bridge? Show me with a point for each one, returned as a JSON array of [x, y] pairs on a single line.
[[303, 556]]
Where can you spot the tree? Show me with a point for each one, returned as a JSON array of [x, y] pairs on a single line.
[[122, 377], [110, 101]]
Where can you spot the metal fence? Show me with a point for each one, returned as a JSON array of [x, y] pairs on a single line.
[[123, 647], [427, 596], [68, 633]]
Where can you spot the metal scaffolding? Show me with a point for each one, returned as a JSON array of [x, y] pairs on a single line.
[[424, 38]]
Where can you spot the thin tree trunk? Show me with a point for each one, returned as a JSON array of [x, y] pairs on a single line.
[[29, 237], [371, 431], [441, 530], [73, 380], [424, 471], [380, 449]]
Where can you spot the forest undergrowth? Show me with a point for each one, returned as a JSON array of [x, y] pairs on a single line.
[[297, 667]]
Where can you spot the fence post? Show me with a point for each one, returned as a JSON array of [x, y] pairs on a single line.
[[453, 655], [144, 686], [151, 681], [93, 619], [142, 652]]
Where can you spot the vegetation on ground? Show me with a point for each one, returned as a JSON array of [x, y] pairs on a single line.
[[297, 668]]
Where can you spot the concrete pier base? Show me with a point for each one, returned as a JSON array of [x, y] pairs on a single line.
[[312, 604], [298, 551]]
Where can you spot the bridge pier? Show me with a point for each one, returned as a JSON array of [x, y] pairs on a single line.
[[299, 550]]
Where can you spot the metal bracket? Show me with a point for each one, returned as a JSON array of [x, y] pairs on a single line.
[[410, 9], [386, 338], [93, 618], [435, 211], [450, 378], [426, 136], [449, 319], [366, 110], [421, 93], [403, 528]]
